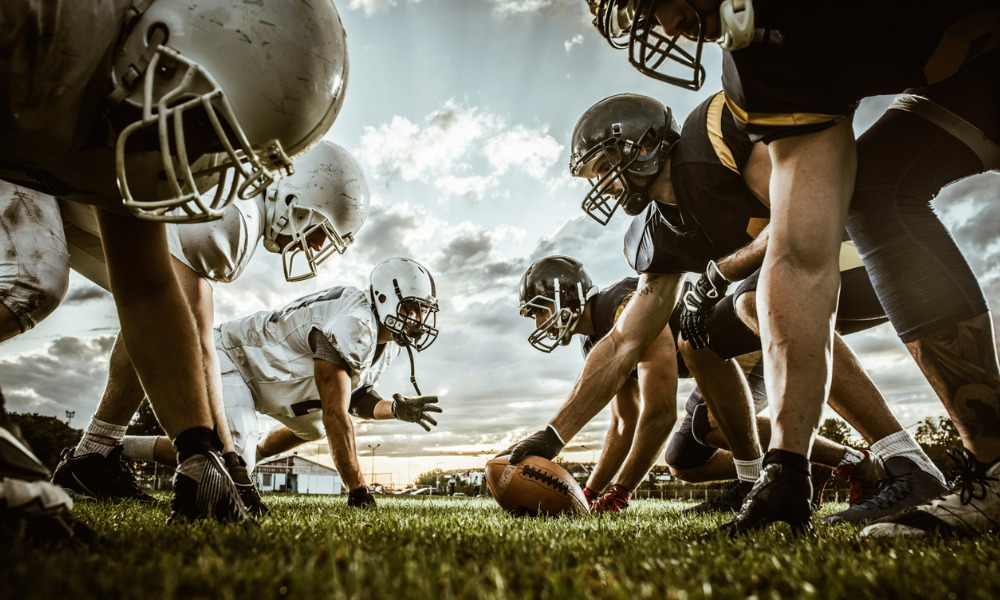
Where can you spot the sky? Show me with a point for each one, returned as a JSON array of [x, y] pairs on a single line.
[[460, 113]]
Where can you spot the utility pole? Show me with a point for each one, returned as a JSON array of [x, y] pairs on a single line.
[[372, 448]]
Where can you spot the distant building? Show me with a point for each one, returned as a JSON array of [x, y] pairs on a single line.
[[298, 475]]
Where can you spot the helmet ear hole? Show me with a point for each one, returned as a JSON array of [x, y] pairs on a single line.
[[381, 298], [153, 29], [289, 199]]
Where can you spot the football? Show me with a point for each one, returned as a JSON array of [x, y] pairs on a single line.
[[535, 486]]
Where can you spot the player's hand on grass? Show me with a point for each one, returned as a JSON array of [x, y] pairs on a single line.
[[415, 409], [361, 498], [591, 496], [615, 500], [698, 302], [545, 443]]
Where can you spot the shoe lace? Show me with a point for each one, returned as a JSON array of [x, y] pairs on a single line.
[[971, 480], [894, 490]]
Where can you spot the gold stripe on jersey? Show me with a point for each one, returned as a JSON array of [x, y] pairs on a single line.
[[781, 119], [755, 225], [622, 305], [849, 257], [714, 123], [954, 48]]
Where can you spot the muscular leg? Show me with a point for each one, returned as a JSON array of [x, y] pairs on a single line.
[[929, 292], [728, 396], [811, 184], [157, 326]]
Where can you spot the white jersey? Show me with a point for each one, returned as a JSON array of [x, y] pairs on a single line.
[[271, 349]]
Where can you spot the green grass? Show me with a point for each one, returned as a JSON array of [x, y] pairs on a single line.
[[314, 547]]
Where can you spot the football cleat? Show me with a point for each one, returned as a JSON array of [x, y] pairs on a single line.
[[728, 501], [93, 476], [204, 489], [864, 478], [905, 485], [32, 509], [971, 507], [822, 475], [782, 493], [245, 484]]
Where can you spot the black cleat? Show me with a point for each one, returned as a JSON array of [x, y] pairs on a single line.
[[245, 484], [728, 501], [32, 510], [782, 493], [821, 477], [906, 485], [96, 477], [204, 489]]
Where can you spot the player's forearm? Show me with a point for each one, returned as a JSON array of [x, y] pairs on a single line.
[[616, 445], [383, 410], [278, 441], [617, 354], [650, 439], [340, 435], [743, 262]]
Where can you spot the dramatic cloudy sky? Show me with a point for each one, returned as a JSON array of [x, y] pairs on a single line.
[[461, 111]]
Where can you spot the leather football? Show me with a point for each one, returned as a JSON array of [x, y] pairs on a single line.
[[535, 486]]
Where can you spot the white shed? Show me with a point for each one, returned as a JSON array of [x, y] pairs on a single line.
[[297, 475]]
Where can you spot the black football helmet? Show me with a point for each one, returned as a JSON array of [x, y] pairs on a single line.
[[560, 287], [619, 145], [632, 24]]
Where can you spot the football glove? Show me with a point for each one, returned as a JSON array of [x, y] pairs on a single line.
[[615, 500], [414, 409], [545, 443], [590, 495], [698, 303], [361, 498]]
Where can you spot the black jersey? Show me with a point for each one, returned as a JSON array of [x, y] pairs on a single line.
[[811, 62], [716, 213], [607, 306]]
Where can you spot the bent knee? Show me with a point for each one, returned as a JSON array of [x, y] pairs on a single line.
[[746, 310]]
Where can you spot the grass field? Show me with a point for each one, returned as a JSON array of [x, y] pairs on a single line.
[[314, 547]]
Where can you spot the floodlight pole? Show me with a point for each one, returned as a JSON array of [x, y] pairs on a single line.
[[372, 448]]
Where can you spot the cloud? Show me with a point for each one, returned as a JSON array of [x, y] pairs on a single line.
[[373, 7], [85, 293], [522, 7], [68, 374], [461, 151], [576, 40]]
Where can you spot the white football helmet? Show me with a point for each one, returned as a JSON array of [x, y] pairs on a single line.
[[221, 92], [328, 193], [405, 301]]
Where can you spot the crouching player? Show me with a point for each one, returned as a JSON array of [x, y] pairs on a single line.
[[314, 362]]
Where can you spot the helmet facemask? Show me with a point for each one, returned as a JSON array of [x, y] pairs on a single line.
[[303, 225], [414, 324], [620, 173], [564, 313], [661, 56], [171, 87]]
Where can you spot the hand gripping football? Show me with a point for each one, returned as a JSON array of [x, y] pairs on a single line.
[[535, 486]]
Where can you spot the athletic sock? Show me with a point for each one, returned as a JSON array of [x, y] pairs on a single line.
[[902, 443], [140, 447], [195, 440], [748, 470], [100, 438], [851, 457]]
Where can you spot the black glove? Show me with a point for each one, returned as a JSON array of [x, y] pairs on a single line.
[[698, 303], [414, 409], [361, 498], [545, 443]]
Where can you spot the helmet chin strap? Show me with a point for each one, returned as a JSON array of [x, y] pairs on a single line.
[[736, 22], [413, 371]]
